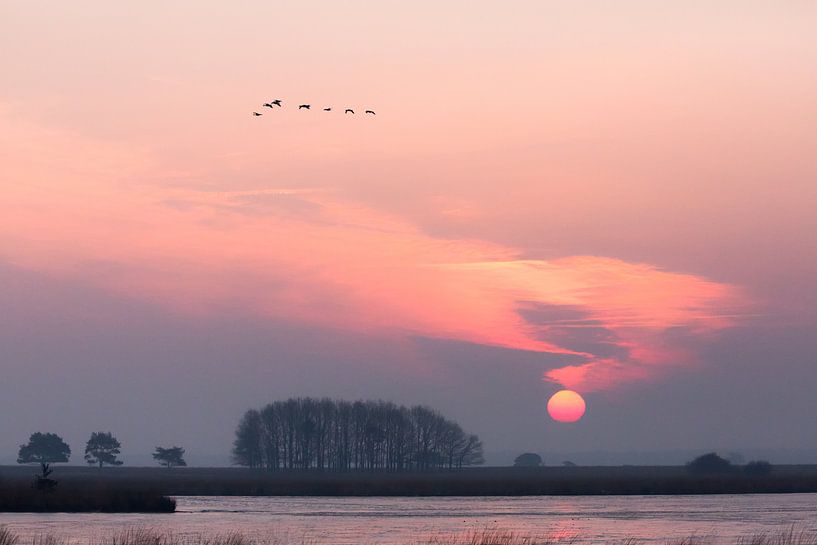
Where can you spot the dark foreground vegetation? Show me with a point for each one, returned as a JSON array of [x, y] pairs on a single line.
[[18, 495], [466, 482], [488, 536]]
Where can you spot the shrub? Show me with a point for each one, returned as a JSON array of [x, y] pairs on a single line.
[[710, 464], [528, 459]]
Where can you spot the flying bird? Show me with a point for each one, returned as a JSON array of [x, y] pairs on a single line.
[[327, 109], [256, 114], [277, 102], [267, 105], [304, 106], [370, 112], [349, 111]]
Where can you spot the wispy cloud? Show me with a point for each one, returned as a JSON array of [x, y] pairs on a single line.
[[311, 256]]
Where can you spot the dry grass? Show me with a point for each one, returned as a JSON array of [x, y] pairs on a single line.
[[497, 536], [486, 536], [792, 536], [7, 537], [144, 536], [48, 539], [695, 540], [134, 536]]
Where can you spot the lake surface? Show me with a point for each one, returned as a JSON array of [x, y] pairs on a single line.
[[370, 521]]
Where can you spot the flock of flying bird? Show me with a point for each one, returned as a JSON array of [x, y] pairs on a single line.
[[278, 102]]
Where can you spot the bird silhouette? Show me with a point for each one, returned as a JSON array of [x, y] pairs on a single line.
[[277, 102], [349, 111], [304, 106], [256, 114], [370, 112], [267, 105], [327, 109]]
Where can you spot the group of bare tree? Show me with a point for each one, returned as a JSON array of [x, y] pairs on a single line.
[[326, 434]]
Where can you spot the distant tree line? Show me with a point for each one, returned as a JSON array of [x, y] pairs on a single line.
[[335, 435], [712, 464]]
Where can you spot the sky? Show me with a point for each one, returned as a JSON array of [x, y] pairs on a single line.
[[615, 198]]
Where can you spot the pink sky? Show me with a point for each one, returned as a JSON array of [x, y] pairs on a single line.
[[640, 169]]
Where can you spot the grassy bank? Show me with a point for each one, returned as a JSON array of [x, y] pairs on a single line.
[[488, 536], [469, 482], [22, 498]]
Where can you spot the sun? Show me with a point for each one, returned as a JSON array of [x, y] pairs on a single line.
[[566, 406]]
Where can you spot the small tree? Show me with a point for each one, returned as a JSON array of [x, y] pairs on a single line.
[[44, 448], [169, 457], [102, 448], [528, 459], [710, 464]]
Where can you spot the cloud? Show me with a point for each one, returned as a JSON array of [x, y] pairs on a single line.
[[100, 215]]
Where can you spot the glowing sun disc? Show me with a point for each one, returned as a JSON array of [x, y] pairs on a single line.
[[566, 406]]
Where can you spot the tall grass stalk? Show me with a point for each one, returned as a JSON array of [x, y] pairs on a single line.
[[7, 537], [486, 536]]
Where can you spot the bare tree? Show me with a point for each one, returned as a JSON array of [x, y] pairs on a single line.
[[247, 447]]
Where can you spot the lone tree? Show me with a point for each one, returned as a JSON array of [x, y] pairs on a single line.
[[102, 448], [44, 448], [528, 459], [170, 457], [710, 464]]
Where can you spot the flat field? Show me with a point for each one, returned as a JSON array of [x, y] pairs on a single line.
[[506, 481]]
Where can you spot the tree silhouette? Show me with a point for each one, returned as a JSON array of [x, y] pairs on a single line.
[[710, 464], [44, 448], [247, 446], [305, 433], [528, 459], [102, 448], [169, 457], [470, 454]]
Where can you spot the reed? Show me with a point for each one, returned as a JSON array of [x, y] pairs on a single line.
[[486, 536], [790, 536], [145, 536], [7, 537], [496, 536]]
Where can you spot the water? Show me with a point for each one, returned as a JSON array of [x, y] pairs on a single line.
[[387, 521]]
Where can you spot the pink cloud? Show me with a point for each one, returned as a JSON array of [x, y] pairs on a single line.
[[95, 212]]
